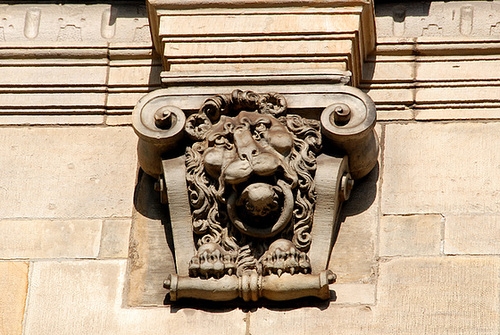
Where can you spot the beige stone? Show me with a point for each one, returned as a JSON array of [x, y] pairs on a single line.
[[448, 70], [49, 75], [390, 95], [412, 235], [353, 255], [382, 70], [321, 319], [70, 172], [14, 100], [472, 234], [74, 23], [352, 294], [456, 94], [296, 30], [133, 76], [438, 295], [118, 99], [392, 115], [49, 238], [440, 168], [14, 284], [453, 112], [119, 120], [115, 238], [85, 297], [51, 119]]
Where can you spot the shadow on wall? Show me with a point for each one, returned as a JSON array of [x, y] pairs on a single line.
[[398, 11]]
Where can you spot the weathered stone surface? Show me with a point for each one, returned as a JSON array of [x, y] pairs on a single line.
[[351, 294], [14, 286], [441, 168], [353, 257], [313, 320], [438, 295], [74, 23], [74, 172], [151, 257], [463, 113], [49, 238], [119, 120], [50, 119], [115, 238], [412, 235], [47, 75], [472, 234], [85, 297]]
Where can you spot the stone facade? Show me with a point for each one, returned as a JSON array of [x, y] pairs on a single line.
[[417, 251]]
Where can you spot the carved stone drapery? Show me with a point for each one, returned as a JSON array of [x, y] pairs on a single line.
[[247, 218]]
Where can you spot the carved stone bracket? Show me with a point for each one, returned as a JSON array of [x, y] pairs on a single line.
[[254, 183]]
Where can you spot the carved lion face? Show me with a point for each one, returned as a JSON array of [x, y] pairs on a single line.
[[250, 144], [250, 152], [251, 167]]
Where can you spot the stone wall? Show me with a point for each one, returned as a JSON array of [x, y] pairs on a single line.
[[418, 248]]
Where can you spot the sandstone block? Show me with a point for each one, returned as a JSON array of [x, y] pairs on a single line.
[[49, 238], [14, 284], [115, 238], [472, 234], [323, 319], [85, 297], [441, 168], [410, 235], [73, 172], [353, 255], [438, 295]]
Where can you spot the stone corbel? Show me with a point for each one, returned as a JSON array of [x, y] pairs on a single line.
[[271, 229]]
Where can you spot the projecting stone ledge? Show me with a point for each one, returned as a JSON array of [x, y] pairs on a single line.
[[253, 36]]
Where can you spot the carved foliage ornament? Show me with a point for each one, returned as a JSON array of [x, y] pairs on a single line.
[[250, 176]]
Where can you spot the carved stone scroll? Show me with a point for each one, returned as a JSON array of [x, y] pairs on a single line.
[[254, 207]]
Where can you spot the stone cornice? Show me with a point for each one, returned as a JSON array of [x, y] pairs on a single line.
[[254, 36]]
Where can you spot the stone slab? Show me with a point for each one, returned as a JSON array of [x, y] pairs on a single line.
[[49, 238], [441, 168], [413, 235], [134, 76], [56, 99], [472, 234], [14, 284], [49, 75], [115, 238], [468, 70], [25, 120], [151, 257], [354, 294], [390, 95], [353, 257], [463, 93], [438, 295], [85, 297], [67, 172], [394, 115], [322, 319], [390, 72], [119, 120], [453, 112]]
